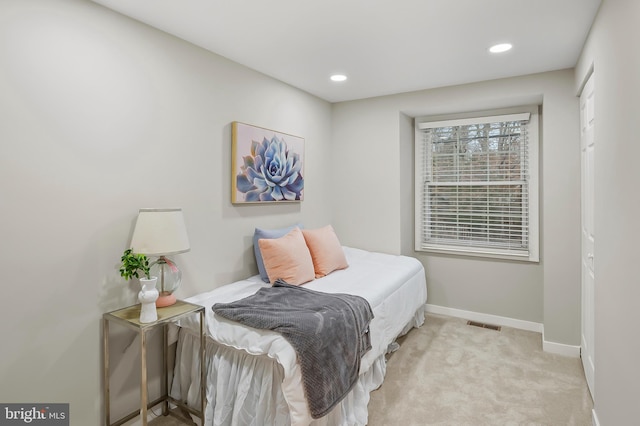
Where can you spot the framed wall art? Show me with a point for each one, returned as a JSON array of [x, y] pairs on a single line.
[[267, 166]]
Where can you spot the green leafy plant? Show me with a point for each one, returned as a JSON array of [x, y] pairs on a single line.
[[134, 264]]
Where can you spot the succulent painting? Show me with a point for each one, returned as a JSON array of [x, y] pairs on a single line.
[[271, 172]]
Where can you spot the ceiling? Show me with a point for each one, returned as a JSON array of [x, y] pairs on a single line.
[[383, 46]]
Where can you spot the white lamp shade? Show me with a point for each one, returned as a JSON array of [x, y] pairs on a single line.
[[160, 232]]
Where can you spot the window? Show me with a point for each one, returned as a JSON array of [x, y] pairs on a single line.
[[477, 185]]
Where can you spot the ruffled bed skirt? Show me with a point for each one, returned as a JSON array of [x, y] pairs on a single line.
[[244, 389]]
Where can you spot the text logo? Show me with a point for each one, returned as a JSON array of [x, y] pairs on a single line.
[[34, 414]]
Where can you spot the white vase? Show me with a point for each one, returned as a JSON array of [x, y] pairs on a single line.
[[147, 298]]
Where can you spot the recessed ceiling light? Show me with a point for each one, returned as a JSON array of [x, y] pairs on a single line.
[[499, 48], [338, 77]]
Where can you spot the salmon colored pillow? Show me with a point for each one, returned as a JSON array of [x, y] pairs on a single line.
[[287, 258], [326, 251]]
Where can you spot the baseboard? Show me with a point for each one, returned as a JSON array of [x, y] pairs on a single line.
[[486, 318], [560, 348], [594, 418], [551, 347]]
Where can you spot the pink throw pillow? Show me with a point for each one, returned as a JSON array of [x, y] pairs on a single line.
[[287, 258], [326, 251]]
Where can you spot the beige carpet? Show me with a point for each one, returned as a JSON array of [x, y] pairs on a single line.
[[449, 373]]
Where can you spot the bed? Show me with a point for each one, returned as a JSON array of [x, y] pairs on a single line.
[[253, 377]]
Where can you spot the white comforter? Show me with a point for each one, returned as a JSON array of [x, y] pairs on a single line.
[[394, 286]]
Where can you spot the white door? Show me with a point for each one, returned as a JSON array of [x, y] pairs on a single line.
[[587, 142]]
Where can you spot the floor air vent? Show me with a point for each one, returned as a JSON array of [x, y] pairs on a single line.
[[483, 325]]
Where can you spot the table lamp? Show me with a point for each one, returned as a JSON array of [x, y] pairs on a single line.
[[162, 232]]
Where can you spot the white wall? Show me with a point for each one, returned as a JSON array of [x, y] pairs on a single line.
[[374, 136], [100, 116], [612, 51]]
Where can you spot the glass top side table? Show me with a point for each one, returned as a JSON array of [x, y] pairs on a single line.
[[129, 317]]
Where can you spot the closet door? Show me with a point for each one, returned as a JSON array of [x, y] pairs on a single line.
[[587, 141]]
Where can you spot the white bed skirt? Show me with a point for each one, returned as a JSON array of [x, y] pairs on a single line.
[[244, 389]]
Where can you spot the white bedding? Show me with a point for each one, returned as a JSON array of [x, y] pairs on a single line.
[[394, 286]]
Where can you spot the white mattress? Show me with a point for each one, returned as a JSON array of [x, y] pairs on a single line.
[[394, 286]]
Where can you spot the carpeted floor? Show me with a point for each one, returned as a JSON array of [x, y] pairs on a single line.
[[449, 373]]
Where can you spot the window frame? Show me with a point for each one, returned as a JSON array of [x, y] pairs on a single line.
[[421, 155]]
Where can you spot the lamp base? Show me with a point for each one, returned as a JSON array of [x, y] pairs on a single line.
[[165, 299]]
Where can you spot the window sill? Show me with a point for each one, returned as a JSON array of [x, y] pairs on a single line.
[[520, 256]]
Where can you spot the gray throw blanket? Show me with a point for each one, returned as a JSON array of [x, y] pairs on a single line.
[[329, 332]]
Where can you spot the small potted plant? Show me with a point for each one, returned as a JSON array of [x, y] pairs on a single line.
[[133, 264], [137, 265]]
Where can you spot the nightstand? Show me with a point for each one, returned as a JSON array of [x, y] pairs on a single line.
[[129, 318]]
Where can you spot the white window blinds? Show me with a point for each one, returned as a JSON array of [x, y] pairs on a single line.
[[475, 186]]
